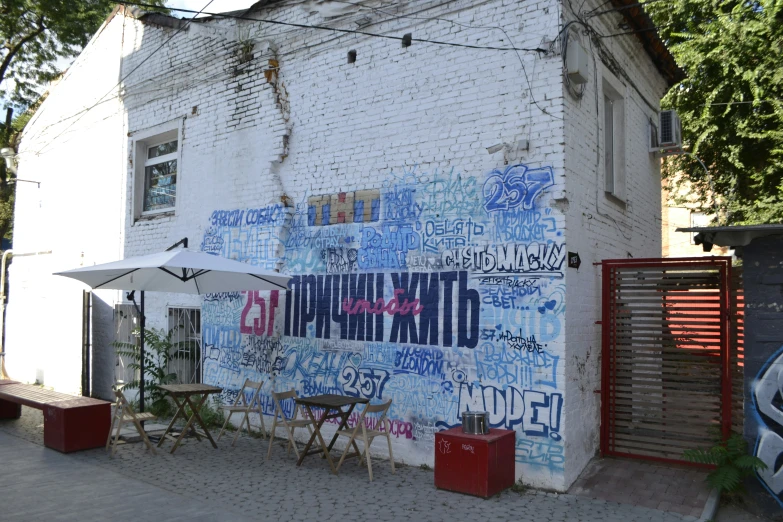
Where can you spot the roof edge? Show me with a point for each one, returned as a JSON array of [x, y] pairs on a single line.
[[647, 34], [731, 236]]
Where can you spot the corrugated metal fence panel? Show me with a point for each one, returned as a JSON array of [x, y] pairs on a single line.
[[665, 342], [737, 341]]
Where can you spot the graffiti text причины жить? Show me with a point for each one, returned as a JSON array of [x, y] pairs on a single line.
[[439, 291], [420, 307]]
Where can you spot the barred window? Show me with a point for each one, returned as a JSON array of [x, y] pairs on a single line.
[[185, 356]]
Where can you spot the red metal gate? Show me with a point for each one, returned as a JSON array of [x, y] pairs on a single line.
[[667, 372]]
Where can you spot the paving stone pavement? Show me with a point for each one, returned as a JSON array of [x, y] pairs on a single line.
[[238, 483], [680, 489]]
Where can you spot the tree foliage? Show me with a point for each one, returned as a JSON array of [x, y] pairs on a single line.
[[34, 35], [731, 104]]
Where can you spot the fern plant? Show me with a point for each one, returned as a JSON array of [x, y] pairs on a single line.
[[158, 351], [731, 460]]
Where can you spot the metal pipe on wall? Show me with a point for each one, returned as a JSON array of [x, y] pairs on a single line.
[[3, 267]]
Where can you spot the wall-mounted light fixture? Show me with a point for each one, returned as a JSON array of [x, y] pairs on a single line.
[[511, 151], [515, 148], [9, 155]]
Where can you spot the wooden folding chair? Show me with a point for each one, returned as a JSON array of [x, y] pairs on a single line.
[[289, 423], [246, 407], [368, 435], [123, 413]]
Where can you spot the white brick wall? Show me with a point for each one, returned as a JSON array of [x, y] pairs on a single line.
[[73, 219], [596, 226], [397, 119]]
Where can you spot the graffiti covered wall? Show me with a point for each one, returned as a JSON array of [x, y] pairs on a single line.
[[442, 291], [763, 368], [768, 399]]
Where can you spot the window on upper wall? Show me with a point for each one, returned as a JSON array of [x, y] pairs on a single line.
[[614, 137], [157, 161]]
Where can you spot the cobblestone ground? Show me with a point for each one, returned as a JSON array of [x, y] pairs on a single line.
[[238, 483]]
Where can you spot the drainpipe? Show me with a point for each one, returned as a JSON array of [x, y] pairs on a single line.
[[3, 267]]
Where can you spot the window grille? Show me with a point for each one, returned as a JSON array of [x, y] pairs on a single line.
[[185, 361]]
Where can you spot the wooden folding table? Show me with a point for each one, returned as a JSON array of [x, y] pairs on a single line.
[[185, 392], [333, 409]]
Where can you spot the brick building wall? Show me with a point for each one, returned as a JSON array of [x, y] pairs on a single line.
[[73, 219], [599, 226], [372, 181]]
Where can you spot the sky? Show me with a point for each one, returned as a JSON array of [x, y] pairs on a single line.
[[217, 6]]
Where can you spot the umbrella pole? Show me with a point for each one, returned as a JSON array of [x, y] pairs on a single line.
[[141, 359]]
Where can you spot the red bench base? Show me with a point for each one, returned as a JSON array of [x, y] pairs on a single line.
[[10, 410], [78, 424], [70, 423]]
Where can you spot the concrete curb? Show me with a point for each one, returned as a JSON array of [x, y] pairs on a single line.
[[711, 506]]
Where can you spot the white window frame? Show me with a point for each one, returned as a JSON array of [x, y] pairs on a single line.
[[142, 141], [615, 160]]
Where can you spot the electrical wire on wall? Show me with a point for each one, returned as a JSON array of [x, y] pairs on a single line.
[[598, 147], [79, 114], [138, 91], [591, 32], [119, 83], [392, 37], [467, 26]]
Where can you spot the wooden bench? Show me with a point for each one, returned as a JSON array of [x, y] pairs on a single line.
[[70, 423]]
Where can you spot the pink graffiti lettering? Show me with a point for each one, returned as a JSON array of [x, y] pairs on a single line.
[[399, 429], [393, 307]]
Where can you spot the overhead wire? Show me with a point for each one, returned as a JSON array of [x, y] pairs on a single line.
[[592, 31], [597, 8], [168, 72], [467, 26], [740, 102], [119, 83], [346, 31], [517, 50], [659, 27], [622, 8]]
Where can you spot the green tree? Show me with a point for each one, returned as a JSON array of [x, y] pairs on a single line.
[[34, 35], [9, 136], [731, 103]]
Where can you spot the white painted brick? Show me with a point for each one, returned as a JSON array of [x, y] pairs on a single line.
[[350, 127]]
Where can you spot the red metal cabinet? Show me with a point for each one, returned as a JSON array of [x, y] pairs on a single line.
[[481, 465]]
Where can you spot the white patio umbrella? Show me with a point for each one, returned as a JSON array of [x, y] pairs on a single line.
[[176, 270], [181, 271]]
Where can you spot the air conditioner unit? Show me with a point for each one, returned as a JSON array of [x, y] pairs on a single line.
[[669, 133]]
